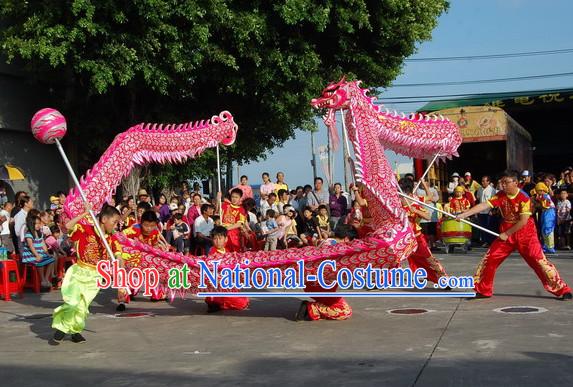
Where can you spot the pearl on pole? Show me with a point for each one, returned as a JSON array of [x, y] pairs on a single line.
[[49, 127]]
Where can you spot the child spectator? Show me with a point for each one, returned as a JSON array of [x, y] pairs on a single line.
[[272, 229], [291, 231], [179, 233], [34, 250], [323, 222], [46, 222], [5, 220], [355, 218], [545, 211], [53, 242], [564, 220], [309, 228]]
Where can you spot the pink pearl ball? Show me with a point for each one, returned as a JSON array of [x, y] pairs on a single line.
[[48, 125]]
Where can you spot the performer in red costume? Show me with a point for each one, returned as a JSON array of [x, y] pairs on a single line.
[[422, 257], [518, 232], [80, 282], [459, 203], [146, 232], [234, 219], [327, 308], [215, 304]]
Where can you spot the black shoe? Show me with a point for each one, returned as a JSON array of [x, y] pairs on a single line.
[[302, 313], [59, 336], [477, 297], [567, 297], [78, 338], [121, 307], [213, 308]]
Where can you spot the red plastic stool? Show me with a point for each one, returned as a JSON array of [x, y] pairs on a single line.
[[199, 250], [62, 265], [6, 286], [33, 280]]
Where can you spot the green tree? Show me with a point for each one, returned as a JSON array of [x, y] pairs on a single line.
[[112, 63]]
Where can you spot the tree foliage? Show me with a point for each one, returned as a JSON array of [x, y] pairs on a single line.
[[112, 63]]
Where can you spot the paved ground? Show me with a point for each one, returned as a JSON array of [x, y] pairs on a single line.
[[458, 343]]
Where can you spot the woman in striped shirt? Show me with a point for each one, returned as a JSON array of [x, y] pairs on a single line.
[[35, 252]]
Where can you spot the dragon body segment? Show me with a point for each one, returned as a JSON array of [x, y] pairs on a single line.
[[369, 130]]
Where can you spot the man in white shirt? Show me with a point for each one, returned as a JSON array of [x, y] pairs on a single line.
[[203, 226], [318, 196], [5, 227], [26, 204], [454, 182], [483, 194], [269, 204]]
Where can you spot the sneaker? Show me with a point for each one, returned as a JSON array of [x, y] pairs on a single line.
[[477, 297], [59, 336], [567, 297], [213, 308], [78, 338], [120, 307], [302, 313]]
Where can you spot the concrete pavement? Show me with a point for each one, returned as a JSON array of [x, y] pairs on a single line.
[[458, 342]]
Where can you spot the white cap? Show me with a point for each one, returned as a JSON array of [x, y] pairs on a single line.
[[455, 174], [467, 174], [525, 173]]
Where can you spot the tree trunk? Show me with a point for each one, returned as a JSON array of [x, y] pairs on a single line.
[[229, 172], [130, 185]]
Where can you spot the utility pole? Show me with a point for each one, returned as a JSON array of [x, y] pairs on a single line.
[[329, 160], [344, 153], [313, 160]]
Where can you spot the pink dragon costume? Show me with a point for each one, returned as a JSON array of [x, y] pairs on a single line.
[[369, 130]]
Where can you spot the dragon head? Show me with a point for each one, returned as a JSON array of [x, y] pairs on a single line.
[[334, 96], [228, 133]]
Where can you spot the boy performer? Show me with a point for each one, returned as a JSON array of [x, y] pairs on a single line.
[[518, 232], [234, 219], [79, 287], [459, 203], [146, 231], [327, 308], [422, 257], [215, 304]]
